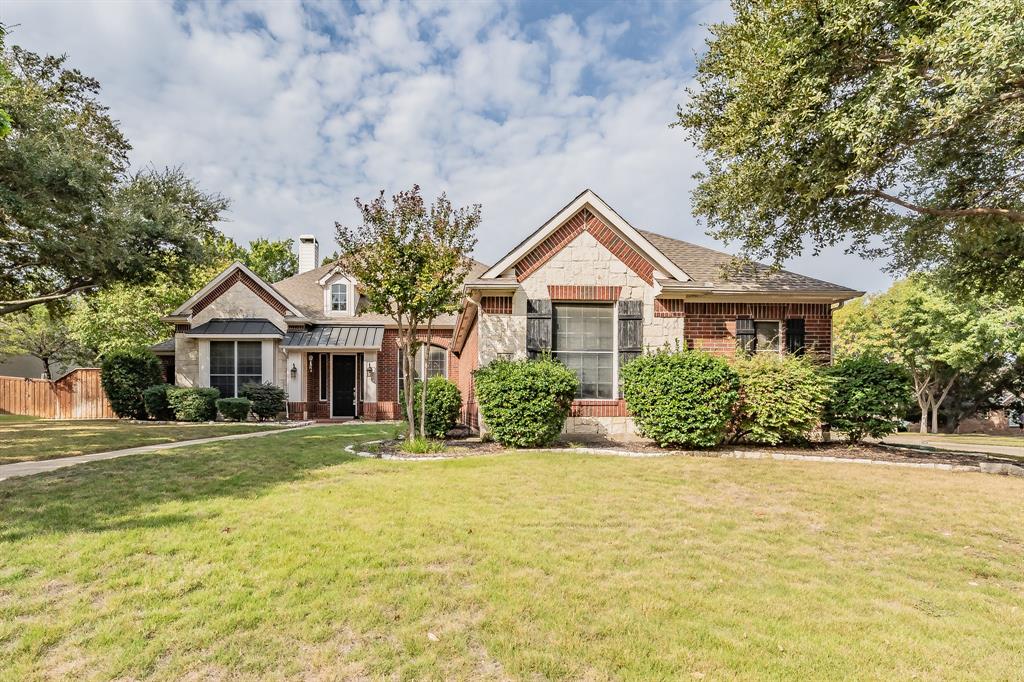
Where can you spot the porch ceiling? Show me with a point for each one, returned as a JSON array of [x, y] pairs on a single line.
[[336, 336]]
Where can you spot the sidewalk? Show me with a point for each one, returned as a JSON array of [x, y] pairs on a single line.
[[30, 468], [937, 442]]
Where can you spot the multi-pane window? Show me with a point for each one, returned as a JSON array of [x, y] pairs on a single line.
[[436, 364], [583, 339], [758, 337], [339, 297], [234, 364]]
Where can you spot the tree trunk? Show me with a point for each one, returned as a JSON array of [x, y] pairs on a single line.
[[46, 368], [923, 396], [935, 417], [940, 400], [406, 334], [423, 393]]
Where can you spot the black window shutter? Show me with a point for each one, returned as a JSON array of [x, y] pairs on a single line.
[[746, 336], [538, 326], [795, 336], [631, 330]]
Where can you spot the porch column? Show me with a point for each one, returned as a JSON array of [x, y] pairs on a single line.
[[370, 384]]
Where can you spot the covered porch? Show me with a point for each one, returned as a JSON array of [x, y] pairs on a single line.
[[331, 371]]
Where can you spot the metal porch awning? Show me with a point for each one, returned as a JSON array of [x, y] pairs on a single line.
[[250, 326], [324, 336]]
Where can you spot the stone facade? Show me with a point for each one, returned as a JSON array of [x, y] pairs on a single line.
[[237, 302]]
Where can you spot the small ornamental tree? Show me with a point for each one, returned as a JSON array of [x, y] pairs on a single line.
[[124, 376], [782, 398], [442, 404], [870, 396], [410, 262], [524, 403], [681, 398]]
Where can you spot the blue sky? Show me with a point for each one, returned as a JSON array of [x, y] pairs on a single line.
[[292, 110]]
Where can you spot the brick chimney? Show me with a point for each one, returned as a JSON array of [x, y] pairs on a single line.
[[309, 253]]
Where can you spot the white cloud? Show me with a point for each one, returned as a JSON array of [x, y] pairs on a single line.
[[292, 110]]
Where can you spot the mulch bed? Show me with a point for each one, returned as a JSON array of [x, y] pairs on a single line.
[[470, 447]]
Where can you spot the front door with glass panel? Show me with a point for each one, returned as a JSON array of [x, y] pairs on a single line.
[[343, 386]]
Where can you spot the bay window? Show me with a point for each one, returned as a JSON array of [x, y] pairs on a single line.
[[583, 339], [234, 364]]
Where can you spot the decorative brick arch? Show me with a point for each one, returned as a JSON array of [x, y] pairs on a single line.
[[231, 280], [584, 221]]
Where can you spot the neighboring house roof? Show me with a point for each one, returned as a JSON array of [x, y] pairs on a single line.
[[336, 336], [707, 269], [254, 326], [306, 292], [165, 346]]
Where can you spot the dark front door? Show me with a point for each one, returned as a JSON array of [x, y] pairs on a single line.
[[344, 386]]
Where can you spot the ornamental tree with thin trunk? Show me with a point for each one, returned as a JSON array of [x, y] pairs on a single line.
[[893, 128], [409, 261]]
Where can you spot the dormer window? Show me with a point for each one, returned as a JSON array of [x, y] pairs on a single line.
[[339, 297]]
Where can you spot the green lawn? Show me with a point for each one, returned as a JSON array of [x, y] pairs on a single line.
[[25, 439], [284, 558]]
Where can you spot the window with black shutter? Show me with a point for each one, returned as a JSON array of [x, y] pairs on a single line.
[[795, 336], [538, 326], [631, 330], [746, 336]]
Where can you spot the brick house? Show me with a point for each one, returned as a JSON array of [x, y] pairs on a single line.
[[586, 286]]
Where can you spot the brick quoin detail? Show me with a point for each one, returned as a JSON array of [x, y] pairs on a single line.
[[231, 280], [575, 292], [496, 305], [670, 307], [584, 220]]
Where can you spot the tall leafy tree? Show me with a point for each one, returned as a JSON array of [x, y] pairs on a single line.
[[74, 217], [940, 339], [409, 259], [272, 260], [895, 127]]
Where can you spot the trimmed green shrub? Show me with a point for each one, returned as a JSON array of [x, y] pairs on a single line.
[[524, 403], [444, 401], [680, 398], [267, 399], [155, 400], [782, 398], [870, 398], [124, 376], [193, 404], [234, 409]]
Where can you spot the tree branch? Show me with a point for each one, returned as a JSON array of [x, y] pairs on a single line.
[[1009, 214], [7, 307]]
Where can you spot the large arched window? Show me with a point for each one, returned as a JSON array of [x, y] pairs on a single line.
[[429, 364]]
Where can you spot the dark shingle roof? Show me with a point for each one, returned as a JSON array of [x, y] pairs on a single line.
[[242, 327], [706, 267], [336, 336], [165, 346]]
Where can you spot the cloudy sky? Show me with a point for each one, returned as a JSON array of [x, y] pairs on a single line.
[[292, 110]]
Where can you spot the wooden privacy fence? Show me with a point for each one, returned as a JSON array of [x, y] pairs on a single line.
[[76, 395]]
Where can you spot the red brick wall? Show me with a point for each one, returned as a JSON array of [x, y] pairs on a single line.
[[496, 305], [467, 363], [598, 408], [575, 292], [712, 326], [388, 405]]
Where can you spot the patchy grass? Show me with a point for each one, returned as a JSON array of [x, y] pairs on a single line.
[[284, 558], [28, 439], [16, 418]]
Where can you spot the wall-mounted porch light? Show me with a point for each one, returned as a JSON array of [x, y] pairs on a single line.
[[294, 371]]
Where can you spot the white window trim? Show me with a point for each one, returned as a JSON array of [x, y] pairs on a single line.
[[349, 296], [421, 368], [616, 391], [330, 297]]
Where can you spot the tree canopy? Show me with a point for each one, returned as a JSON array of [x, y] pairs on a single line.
[[74, 216], [894, 127], [410, 261], [941, 339]]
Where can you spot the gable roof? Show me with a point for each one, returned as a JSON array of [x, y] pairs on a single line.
[[587, 199], [707, 267], [246, 276]]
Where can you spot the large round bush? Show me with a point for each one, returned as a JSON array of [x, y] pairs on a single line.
[[267, 399], [444, 401], [193, 404], [125, 375], [782, 398], [234, 409], [155, 399], [870, 398], [681, 398], [524, 403]]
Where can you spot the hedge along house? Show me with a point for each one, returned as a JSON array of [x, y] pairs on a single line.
[[586, 286], [594, 291]]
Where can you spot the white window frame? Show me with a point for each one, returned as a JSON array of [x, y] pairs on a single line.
[[421, 368], [616, 389], [344, 297], [350, 296], [778, 336]]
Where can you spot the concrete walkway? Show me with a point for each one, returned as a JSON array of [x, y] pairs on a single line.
[[940, 443], [30, 468]]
